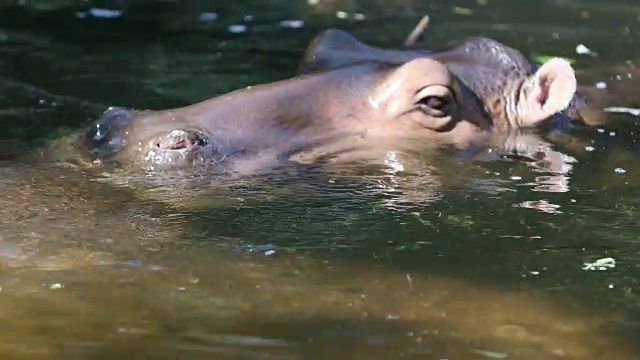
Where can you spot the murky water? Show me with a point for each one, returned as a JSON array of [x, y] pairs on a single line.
[[478, 258]]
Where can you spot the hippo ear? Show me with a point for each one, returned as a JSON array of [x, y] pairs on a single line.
[[331, 49], [552, 89]]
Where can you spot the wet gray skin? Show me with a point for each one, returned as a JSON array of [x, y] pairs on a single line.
[[490, 70], [358, 112]]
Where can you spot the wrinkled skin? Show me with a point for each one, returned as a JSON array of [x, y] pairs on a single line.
[[491, 71], [357, 113]]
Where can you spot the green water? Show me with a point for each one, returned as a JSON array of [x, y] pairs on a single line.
[[482, 260]]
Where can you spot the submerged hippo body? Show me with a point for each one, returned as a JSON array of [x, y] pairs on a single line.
[[361, 111], [485, 66]]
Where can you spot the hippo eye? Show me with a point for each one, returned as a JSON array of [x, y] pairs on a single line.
[[435, 102], [435, 105]]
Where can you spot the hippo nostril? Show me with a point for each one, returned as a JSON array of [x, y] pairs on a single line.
[[196, 139], [180, 139]]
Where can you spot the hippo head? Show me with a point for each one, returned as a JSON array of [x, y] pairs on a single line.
[[372, 107], [514, 91], [123, 137]]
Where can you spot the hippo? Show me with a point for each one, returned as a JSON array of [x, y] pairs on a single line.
[[354, 113], [483, 65]]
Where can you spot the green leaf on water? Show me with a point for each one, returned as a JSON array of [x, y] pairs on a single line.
[[541, 59]]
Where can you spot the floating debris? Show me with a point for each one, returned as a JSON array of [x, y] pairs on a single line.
[[409, 280], [620, 171], [461, 11], [140, 264], [515, 177], [292, 24], [208, 17], [490, 354], [238, 340], [583, 50], [56, 286], [601, 85], [101, 13], [237, 29], [266, 249], [355, 16], [600, 264], [621, 109], [589, 148]]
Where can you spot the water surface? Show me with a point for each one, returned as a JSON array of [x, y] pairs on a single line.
[[482, 259]]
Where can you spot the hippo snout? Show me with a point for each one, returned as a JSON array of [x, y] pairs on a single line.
[[150, 140]]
